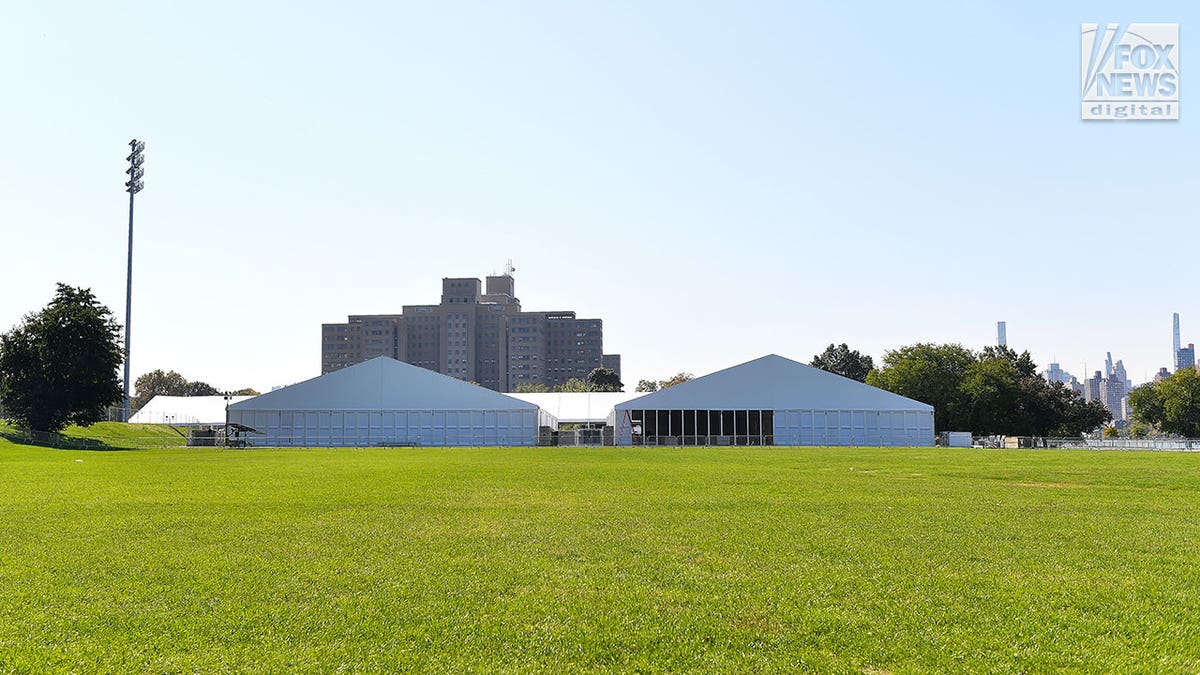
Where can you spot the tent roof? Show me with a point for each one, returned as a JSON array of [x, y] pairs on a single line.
[[773, 383], [383, 383], [184, 410], [578, 407]]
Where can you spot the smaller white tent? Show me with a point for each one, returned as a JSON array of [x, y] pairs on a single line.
[[184, 410], [387, 402], [773, 401]]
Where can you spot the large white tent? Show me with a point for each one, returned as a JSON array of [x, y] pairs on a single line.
[[386, 402], [772, 401], [184, 410]]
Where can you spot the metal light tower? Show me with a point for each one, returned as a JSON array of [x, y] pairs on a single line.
[[132, 186]]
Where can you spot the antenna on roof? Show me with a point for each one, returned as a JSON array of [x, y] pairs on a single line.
[[509, 269]]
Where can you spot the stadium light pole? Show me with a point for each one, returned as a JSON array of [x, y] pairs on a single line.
[[132, 186]]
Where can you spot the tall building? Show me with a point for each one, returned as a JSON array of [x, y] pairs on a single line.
[[1055, 373], [1091, 387], [1001, 333], [1185, 357], [1175, 338], [477, 333]]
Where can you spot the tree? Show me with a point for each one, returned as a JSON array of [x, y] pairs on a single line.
[[841, 360], [157, 383], [1172, 404], [573, 385], [678, 378], [201, 389], [171, 383], [59, 365], [929, 373], [994, 391], [531, 388], [604, 379], [646, 386]]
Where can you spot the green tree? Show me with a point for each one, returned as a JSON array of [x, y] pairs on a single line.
[[604, 379], [1171, 404], [573, 385], [59, 365], [646, 386], [531, 388], [932, 374], [678, 378], [841, 360], [157, 383], [1111, 432], [245, 392], [201, 389]]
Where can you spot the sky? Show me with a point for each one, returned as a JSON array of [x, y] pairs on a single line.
[[716, 181]]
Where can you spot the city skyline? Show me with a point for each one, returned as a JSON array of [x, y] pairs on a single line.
[[649, 165]]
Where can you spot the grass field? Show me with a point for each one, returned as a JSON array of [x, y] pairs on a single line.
[[558, 559]]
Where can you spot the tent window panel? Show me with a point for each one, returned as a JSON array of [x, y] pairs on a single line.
[[727, 423], [689, 422], [754, 423], [702, 417], [664, 422], [768, 423], [676, 419]]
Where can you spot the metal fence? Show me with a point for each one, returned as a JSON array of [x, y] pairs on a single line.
[[1035, 443]]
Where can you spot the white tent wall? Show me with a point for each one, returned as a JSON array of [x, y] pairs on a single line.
[[801, 427], [314, 428]]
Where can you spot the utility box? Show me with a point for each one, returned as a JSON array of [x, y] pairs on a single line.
[[958, 439]]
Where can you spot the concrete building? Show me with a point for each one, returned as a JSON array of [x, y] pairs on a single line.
[[476, 333], [1002, 333]]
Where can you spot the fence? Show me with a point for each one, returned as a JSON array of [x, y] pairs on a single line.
[[1035, 443]]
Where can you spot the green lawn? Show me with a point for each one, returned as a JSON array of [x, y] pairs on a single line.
[[109, 435], [559, 559]]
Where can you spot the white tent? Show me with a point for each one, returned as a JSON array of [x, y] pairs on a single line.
[[593, 407], [184, 410], [773, 401], [386, 402]]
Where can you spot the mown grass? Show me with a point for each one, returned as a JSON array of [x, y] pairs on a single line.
[[553, 560], [114, 435]]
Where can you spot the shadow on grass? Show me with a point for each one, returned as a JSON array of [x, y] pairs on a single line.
[[46, 439]]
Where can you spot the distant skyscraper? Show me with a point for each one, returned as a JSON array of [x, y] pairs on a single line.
[[1175, 339], [1162, 374], [1001, 334], [1055, 373], [1185, 357], [1108, 364]]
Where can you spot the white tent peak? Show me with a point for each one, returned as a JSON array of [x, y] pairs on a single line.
[[383, 383], [774, 382]]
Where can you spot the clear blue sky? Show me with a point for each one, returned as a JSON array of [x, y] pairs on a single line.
[[716, 181]]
